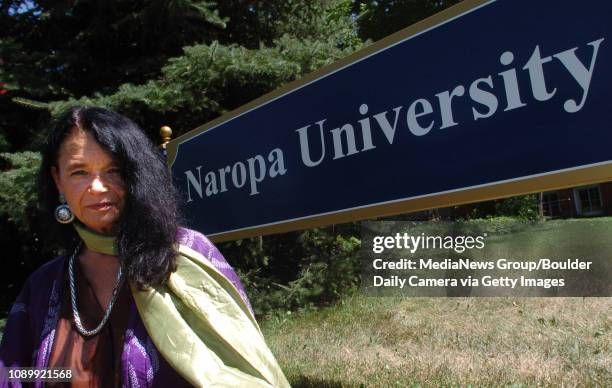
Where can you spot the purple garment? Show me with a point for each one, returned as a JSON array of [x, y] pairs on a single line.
[[30, 327]]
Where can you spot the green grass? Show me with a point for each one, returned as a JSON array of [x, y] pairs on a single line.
[[385, 342]]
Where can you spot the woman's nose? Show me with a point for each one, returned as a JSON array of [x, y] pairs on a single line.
[[98, 185]]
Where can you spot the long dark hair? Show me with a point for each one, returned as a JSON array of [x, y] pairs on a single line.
[[149, 221]]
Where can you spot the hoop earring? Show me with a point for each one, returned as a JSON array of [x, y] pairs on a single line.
[[63, 214]]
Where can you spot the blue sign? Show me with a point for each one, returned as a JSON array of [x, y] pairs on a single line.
[[487, 99]]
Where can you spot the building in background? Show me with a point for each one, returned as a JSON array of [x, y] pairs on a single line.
[[583, 201]]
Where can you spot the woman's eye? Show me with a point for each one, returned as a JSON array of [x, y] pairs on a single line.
[[78, 172]]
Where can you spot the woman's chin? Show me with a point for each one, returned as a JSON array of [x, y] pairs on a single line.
[[104, 226]]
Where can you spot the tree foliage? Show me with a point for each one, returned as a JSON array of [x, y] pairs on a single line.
[[90, 46], [524, 207], [380, 18], [17, 188], [299, 269], [208, 80], [19, 237]]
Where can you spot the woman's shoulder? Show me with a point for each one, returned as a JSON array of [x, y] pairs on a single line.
[[48, 271], [40, 282], [196, 241], [201, 244], [40, 288]]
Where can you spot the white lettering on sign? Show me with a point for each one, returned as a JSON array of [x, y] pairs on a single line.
[[254, 172], [422, 114]]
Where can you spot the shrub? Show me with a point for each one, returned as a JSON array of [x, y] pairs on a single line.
[[298, 269]]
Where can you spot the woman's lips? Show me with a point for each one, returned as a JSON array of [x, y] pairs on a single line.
[[102, 206]]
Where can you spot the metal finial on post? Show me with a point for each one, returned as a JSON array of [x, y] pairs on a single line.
[[166, 134]]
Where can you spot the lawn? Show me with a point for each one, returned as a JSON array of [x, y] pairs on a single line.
[[383, 342]]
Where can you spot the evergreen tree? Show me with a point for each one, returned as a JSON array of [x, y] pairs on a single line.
[[380, 18]]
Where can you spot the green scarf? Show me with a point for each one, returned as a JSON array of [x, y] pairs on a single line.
[[200, 324], [97, 242]]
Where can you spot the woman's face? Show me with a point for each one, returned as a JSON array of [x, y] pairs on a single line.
[[90, 180]]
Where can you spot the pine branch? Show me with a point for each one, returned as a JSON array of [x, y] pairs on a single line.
[[30, 103]]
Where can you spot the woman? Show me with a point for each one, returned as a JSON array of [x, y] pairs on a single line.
[[138, 301]]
